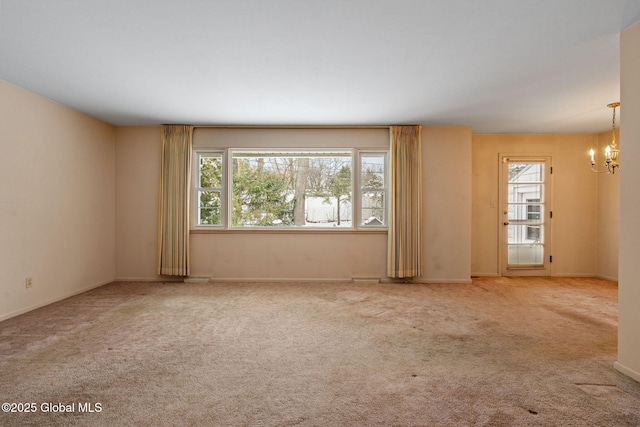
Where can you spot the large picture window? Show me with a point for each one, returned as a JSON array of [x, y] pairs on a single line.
[[312, 189], [294, 189]]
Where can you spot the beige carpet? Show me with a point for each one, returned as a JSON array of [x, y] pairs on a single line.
[[498, 352]]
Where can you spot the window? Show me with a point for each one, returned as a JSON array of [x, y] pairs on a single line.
[[291, 189], [209, 187], [373, 188], [305, 189]]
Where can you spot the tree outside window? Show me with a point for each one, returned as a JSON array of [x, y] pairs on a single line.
[[281, 188]]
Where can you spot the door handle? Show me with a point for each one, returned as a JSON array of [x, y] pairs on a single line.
[[506, 223]]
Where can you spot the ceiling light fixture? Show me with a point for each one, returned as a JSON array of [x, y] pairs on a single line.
[[611, 152]]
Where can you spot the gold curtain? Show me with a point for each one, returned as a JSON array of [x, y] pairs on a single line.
[[404, 250], [173, 216]]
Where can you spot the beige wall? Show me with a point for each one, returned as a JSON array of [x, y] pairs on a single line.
[[629, 282], [574, 200], [253, 255], [137, 176], [56, 201], [446, 160], [608, 214], [288, 256]]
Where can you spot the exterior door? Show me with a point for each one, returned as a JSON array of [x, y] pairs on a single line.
[[525, 216]]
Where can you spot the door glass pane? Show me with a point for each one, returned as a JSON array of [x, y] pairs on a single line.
[[526, 172], [529, 213], [525, 214], [526, 254], [525, 234], [520, 192]]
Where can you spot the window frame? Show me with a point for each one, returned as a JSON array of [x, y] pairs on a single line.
[[357, 222], [196, 188], [384, 189]]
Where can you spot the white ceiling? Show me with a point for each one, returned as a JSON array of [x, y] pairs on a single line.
[[500, 66]]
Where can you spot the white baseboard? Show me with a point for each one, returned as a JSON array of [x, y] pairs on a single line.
[[52, 300], [610, 278], [627, 371]]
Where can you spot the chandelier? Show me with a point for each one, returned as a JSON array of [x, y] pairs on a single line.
[[611, 152]]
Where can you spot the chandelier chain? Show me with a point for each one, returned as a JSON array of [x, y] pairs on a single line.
[[614, 125], [613, 121]]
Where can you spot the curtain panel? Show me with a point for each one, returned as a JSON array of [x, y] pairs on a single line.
[[175, 188], [404, 250]]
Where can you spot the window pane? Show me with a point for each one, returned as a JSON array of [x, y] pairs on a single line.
[[372, 187], [291, 189], [211, 171], [209, 209], [373, 208], [372, 171]]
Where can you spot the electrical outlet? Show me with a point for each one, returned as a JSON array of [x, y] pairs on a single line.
[[28, 282]]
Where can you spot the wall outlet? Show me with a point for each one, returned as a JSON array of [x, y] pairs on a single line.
[[28, 282]]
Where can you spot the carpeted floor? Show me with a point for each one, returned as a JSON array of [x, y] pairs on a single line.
[[498, 352]]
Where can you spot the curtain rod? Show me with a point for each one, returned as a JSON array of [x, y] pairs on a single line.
[[293, 126]]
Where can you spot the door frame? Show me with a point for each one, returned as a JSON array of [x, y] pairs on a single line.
[[546, 268]]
